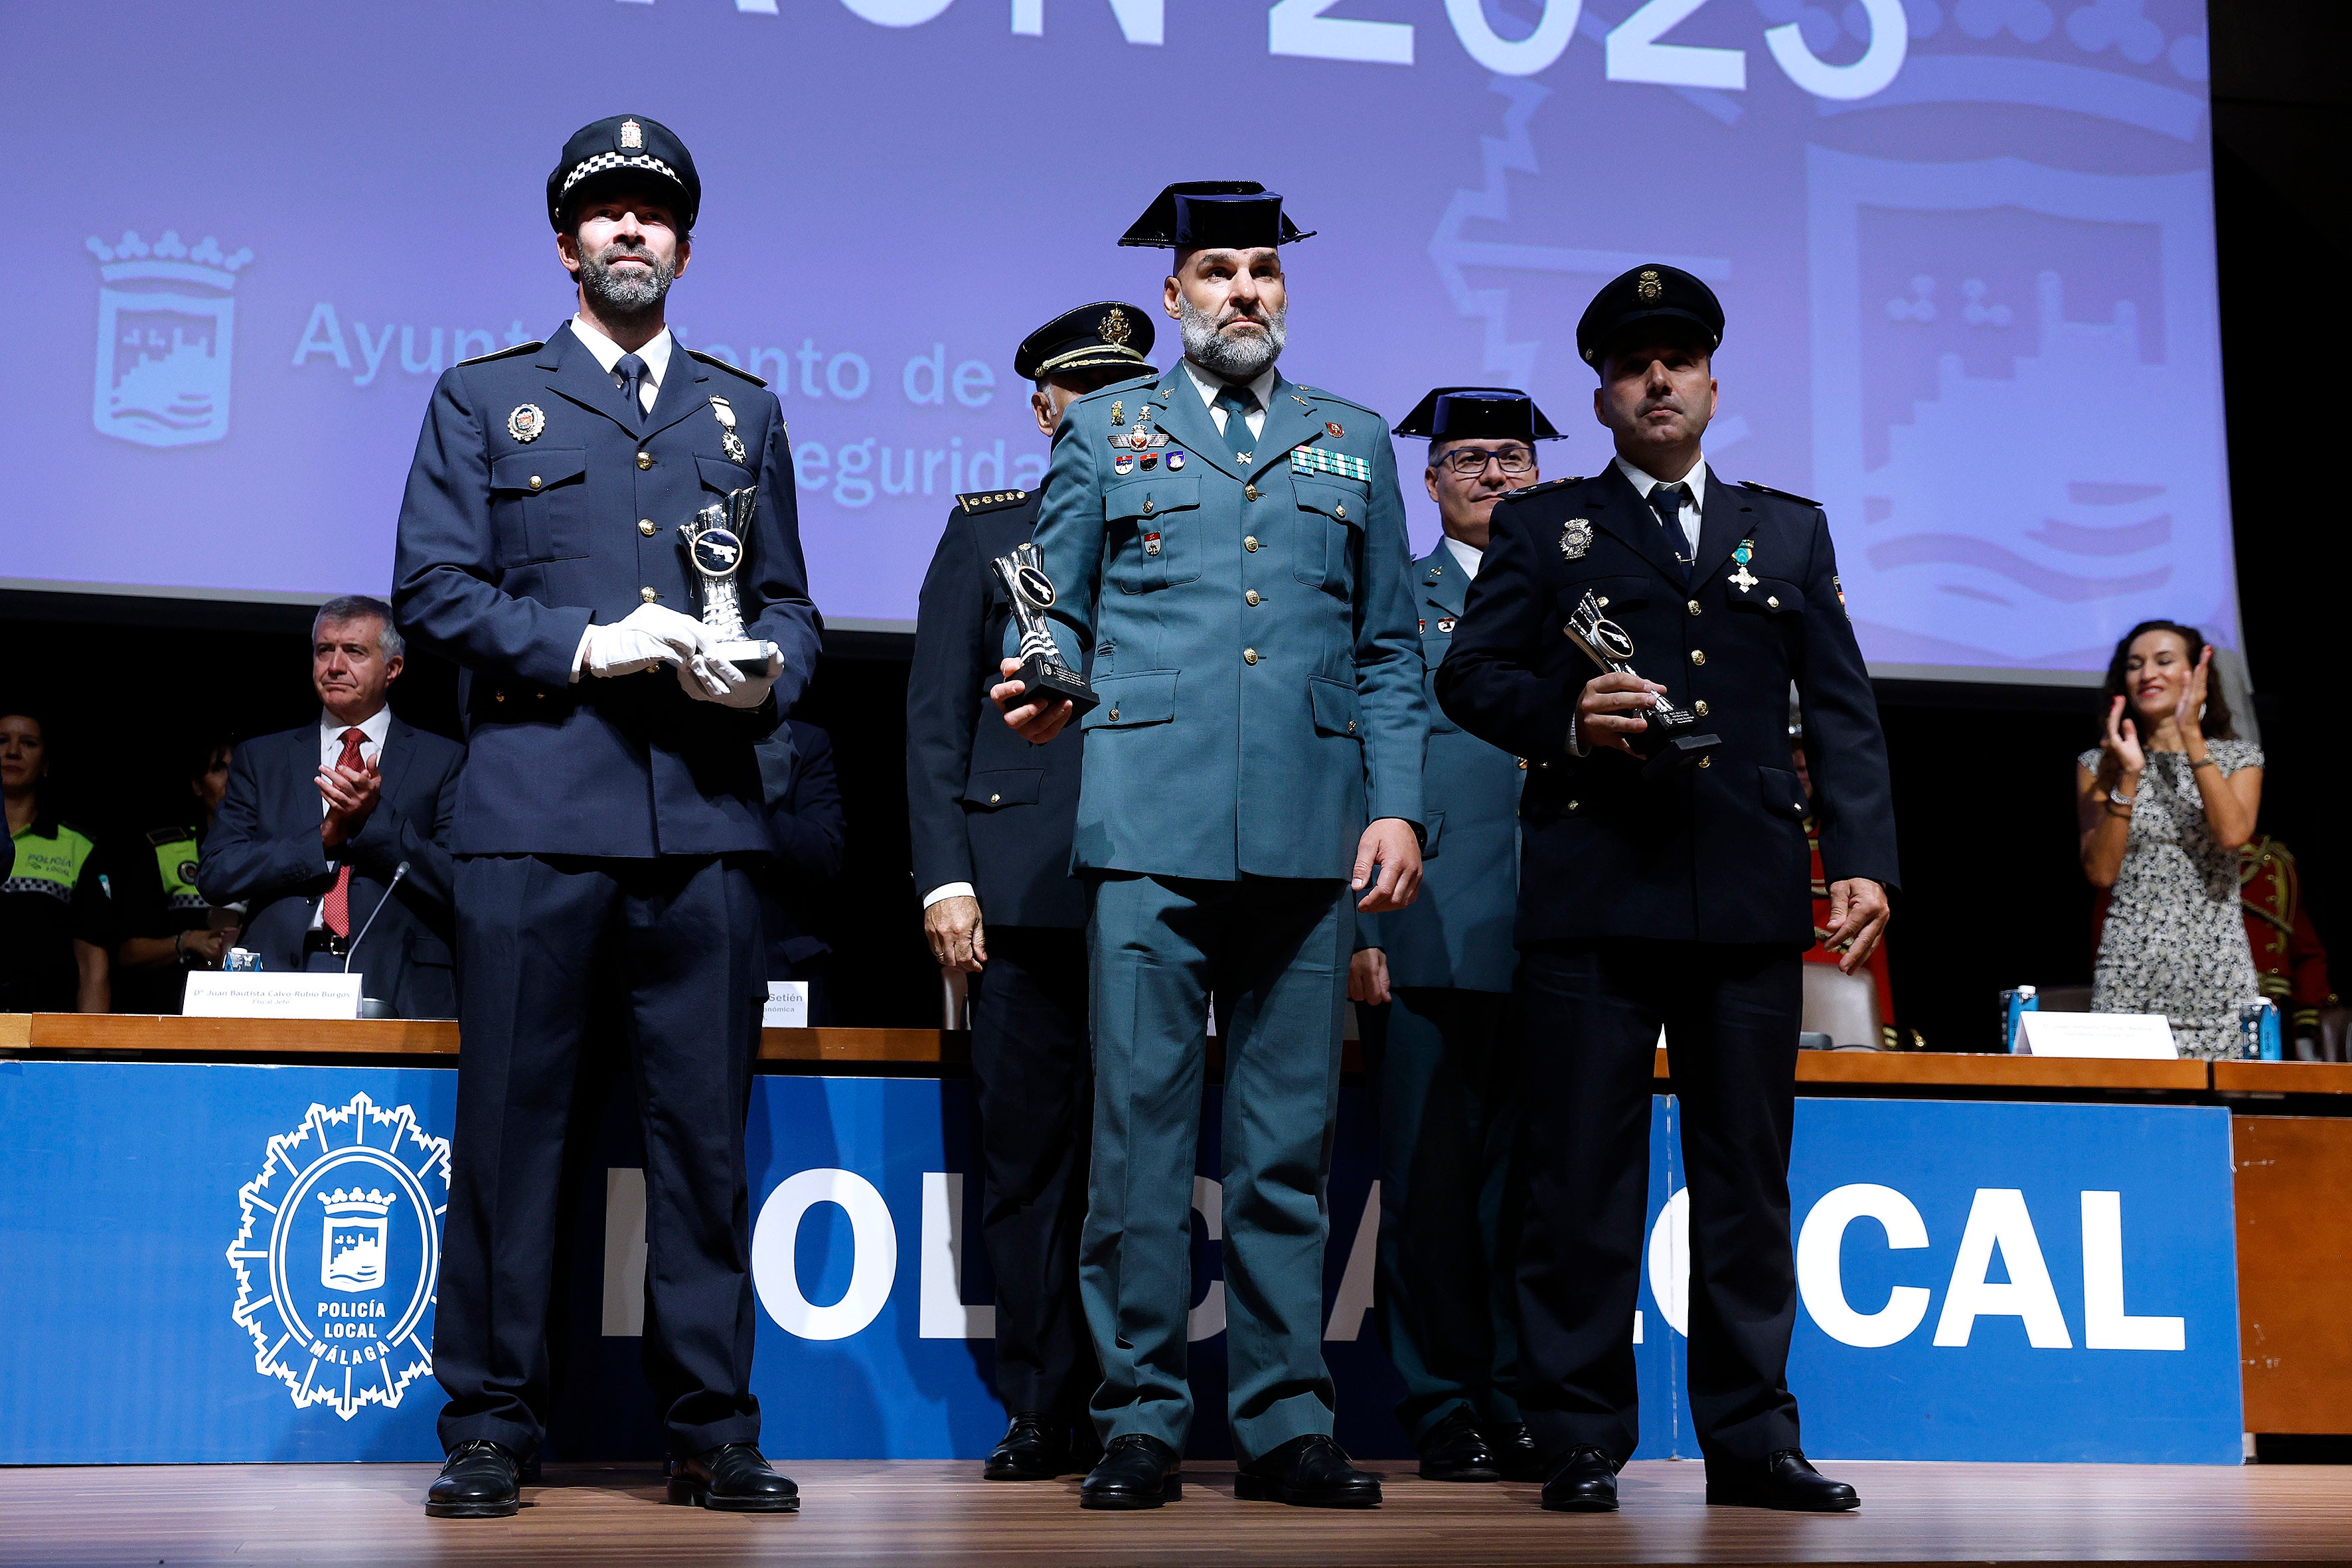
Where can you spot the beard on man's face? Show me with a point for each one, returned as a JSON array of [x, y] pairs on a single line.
[[630, 292], [1242, 357]]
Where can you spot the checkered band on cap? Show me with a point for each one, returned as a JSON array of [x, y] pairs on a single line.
[[602, 162]]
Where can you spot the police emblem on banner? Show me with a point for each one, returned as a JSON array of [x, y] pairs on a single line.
[[338, 1255], [166, 324]]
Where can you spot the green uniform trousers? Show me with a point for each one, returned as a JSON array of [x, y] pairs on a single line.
[[1274, 953], [1448, 1093]]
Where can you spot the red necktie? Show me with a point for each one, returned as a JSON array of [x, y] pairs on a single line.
[[335, 910]]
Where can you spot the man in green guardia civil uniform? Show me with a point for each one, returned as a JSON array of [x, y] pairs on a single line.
[[1230, 554]]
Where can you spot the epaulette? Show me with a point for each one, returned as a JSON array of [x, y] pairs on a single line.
[[163, 835], [716, 363], [1524, 491], [1784, 495], [991, 501], [530, 348], [1124, 384]]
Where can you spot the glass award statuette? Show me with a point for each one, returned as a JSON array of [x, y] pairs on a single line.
[[1043, 675], [1672, 740], [714, 543]]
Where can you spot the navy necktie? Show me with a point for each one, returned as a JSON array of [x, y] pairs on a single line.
[[1667, 501], [1239, 403], [632, 371]]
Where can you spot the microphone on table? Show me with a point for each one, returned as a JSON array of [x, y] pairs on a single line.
[[352, 951]]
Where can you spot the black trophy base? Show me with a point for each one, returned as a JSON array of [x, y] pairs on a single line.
[[1046, 682], [1677, 749]]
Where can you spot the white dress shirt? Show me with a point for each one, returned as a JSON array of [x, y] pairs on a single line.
[[1645, 481], [655, 354], [371, 730], [1465, 557], [1208, 386]]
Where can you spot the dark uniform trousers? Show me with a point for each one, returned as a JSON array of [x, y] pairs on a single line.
[[544, 944], [1593, 1011], [1449, 1095], [1274, 953], [1034, 1084]]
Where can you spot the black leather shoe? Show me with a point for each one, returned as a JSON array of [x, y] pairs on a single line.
[[1030, 1450], [1784, 1482], [1517, 1458], [1454, 1452], [731, 1479], [1587, 1483], [1135, 1471], [478, 1480], [1307, 1472]]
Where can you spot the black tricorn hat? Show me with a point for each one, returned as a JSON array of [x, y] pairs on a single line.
[[1109, 335], [626, 146], [1477, 414], [1215, 214], [1653, 299]]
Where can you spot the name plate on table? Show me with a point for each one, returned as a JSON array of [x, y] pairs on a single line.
[[787, 1007], [262, 994], [2121, 1036]]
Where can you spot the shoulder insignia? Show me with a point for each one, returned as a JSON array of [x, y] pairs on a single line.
[[1124, 384], [163, 835], [1325, 394], [1524, 491], [991, 501], [717, 363], [1784, 495], [530, 348]]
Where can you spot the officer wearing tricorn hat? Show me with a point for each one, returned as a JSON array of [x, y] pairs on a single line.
[[990, 816], [1441, 1031], [1229, 547], [610, 799], [1653, 894]]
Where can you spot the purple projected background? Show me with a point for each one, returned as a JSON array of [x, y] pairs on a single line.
[[1965, 246]]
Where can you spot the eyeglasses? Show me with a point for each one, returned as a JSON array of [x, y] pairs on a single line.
[[1469, 462]]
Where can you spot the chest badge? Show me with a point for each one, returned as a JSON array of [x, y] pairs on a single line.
[[1576, 538], [1118, 412], [1741, 579], [1175, 458], [1445, 626], [1336, 431], [728, 442], [1123, 464], [1151, 544], [527, 422]]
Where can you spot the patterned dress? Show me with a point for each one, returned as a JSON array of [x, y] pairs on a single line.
[[2175, 940]]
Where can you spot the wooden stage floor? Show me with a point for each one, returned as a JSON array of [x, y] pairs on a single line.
[[927, 1514]]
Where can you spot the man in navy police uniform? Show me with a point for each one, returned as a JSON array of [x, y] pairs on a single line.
[[1229, 547], [606, 822], [1441, 1030], [1680, 899], [990, 817]]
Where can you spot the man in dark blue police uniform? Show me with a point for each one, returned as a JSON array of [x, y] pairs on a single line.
[[990, 817], [608, 811], [1680, 897], [1229, 546], [1441, 1030]]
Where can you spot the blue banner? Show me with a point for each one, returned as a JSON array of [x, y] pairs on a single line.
[[220, 1263]]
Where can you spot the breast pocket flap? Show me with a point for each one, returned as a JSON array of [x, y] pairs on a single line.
[[1342, 502], [534, 472], [1004, 786], [720, 475], [1151, 497], [1334, 705], [1770, 596]]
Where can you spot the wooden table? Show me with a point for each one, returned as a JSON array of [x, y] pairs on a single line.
[[2290, 1125]]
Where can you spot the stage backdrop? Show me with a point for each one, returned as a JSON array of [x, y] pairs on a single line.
[[234, 1263], [1966, 247]]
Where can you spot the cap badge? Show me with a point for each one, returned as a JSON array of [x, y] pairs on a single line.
[[1113, 329], [1336, 431], [633, 136], [526, 423], [1118, 412], [1576, 538], [1647, 285]]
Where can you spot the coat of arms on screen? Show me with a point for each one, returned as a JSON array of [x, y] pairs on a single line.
[[338, 1255], [166, 322]]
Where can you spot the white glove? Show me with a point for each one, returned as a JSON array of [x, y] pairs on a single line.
[[647, 636], [710, 678]]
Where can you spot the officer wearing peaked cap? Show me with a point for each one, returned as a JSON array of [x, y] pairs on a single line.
[[1680, 899], [990, 816], [1229, 548], [609, 806], [1441, 1028]]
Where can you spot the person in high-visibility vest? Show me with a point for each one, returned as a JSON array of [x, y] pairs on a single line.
[[55, 923]]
